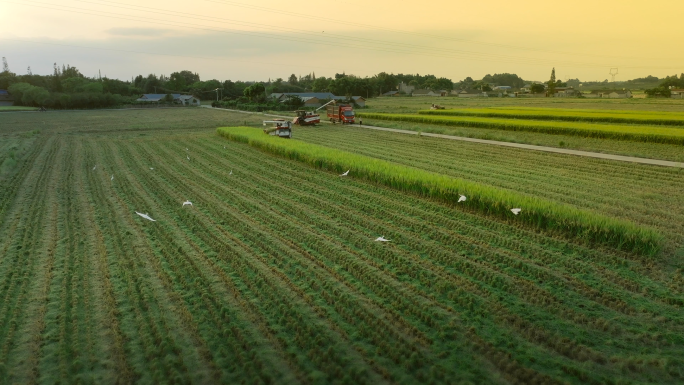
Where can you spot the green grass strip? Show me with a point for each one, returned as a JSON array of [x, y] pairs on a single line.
[[536, 212], [589, 130], [16, 108], [629, 117]]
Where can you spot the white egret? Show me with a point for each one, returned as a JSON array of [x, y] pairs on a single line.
[[381, 239], [345, 173], [145, 216], [94, 167], [462, 198], [186, 149], [231, 172], [112, 177], [516, 211], [187, 203], [151, 168], [188, 156]]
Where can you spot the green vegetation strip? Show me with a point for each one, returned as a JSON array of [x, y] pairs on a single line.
[[538, 213], [632, 117], [634, 133]]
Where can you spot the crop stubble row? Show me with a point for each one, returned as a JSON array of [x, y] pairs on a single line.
[[249, 258]]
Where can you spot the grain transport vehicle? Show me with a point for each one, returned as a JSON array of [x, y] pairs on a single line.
[[343, 113]]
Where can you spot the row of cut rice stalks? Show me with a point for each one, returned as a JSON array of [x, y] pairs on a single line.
[[570, 115], [537, 213], [605, 131]]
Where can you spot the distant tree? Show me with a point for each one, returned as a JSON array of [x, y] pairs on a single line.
[[440, 84], [552, 82], [294, 102], [151, 84], [168, 98], [189, 76], [482, 86], [35, 96], [293, 80], [5, 66], [537, 88], [70, 72], [466, 83], [320, 84], [505, 79], [662, 91], [176, 82]]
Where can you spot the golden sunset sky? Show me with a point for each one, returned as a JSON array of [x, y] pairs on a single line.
[[261, 39]]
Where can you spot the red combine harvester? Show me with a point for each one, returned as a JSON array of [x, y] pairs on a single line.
[[306, 118], [343, 113]]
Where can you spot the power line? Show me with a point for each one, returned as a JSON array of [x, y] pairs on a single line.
[[165, 54], [375, 41], [425, 51], [412, 33], [471, 55]]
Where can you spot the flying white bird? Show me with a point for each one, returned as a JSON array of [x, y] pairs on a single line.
[[516, 211], [187, 203], [462, 199], [145, 216], [94, 167], [345, 173], [381, 239], [112, 177], [187, 156]]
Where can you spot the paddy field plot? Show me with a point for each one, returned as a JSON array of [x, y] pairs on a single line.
[[571, 115], [273, 275]]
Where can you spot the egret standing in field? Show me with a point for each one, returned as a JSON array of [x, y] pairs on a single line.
[[94, 167], [187, 203], [112, 177], [345, 173], [188, 156], [516, 211], [151, 168], [462, 199], [145, 216], [231, 172], [381, 239]]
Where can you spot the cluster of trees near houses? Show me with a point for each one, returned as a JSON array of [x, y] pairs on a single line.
[[67, 87]]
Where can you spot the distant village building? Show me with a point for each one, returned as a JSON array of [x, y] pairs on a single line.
[[502, 88], [609, 94], [678, 93], [186, 100], [403, 87], [5, 98], [564, 92], [429, 93], [316, 99], [469, 93], [391, 93]]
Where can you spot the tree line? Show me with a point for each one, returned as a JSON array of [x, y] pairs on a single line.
[[67, 87]]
